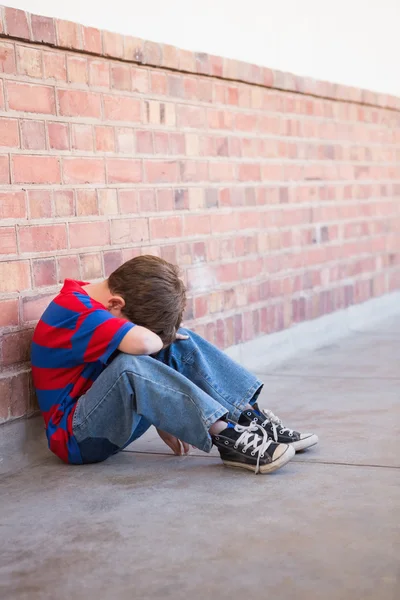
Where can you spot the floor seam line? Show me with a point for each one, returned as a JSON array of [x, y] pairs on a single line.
[[313, 462]]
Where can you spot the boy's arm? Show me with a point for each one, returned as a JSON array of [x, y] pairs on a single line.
[[140, 340]]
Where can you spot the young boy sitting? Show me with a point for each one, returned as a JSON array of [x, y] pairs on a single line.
[[108, 362]]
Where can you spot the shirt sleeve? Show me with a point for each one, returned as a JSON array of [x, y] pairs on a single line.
[[99, 335]]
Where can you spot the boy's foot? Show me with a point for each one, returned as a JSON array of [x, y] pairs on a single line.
[[276, 430], [249, 448]]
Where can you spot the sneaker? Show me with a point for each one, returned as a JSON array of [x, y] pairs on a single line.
[[249, 448], [276, 430]]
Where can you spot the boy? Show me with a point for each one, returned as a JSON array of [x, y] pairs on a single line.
[[108, 362]]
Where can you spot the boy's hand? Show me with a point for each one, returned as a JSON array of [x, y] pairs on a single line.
[[180, 336], [179, 448]]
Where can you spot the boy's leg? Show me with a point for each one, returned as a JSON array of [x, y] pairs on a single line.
[[134, 392], [213, 372], [231, 385]]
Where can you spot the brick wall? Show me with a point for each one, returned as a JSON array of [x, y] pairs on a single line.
[[278, 195]]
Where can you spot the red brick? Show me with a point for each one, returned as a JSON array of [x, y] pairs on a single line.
[[14, 391], [140, 80], [99, 73], [192, 170], [7, 58], [228, 273], [168, 227], [196, 225], [69, 34], [8, 240], [68, 268], [161, 142], [14, 276], [122, 108], [58, 136], [121, 78], [84, 235], [91, 266], [205, 90], [249, 172], [86, 203], [161, 172], [34, 306], [108, 202], [44, 272], [220, 119], [42, 238], [246, 122], [177, 143], [191, 88], [221, 171], [104, 139], [112, 260], [40, 204], [82, 137], [64, 203], [144, 142], [91, 38], [9, 313], [54, 66], [113, 44], [224, 222], [16, 347], [125, 140], [83, 170], [77, 69], [127, 231], [175, 86], [158, 83], [4, 169], [147, 201], [152, 53], [76, 103], [187, 61], [43, 29], [16, 22], [9, 136], [128, 202], [36, 169], [124, 170], [29, 61], [33, 135], [2, 103], [271, 172], [133, 48], [31, 98], [191, 116], [12, 205], [165, 199]]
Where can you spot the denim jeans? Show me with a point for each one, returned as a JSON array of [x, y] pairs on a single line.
[[182, 390]]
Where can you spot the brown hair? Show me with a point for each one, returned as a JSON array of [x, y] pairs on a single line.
[[155, 296]]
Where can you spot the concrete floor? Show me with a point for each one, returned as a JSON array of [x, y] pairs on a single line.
[[148, 525]]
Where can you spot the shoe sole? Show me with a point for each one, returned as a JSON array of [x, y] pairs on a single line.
[[270, 467], [306, 443]]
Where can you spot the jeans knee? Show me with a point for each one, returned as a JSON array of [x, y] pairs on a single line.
[[124, 362]]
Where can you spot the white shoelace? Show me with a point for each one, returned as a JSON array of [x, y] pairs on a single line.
[[250, 439], [276, 423]]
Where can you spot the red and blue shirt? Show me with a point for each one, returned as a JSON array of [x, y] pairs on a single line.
[[72, 344]]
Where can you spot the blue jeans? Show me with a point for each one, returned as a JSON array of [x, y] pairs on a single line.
[[182, 390]]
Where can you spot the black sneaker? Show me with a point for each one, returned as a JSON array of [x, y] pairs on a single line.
[[249, 448], [276, 430]]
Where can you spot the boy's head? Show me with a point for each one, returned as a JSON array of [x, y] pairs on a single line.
[[153, 295]]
